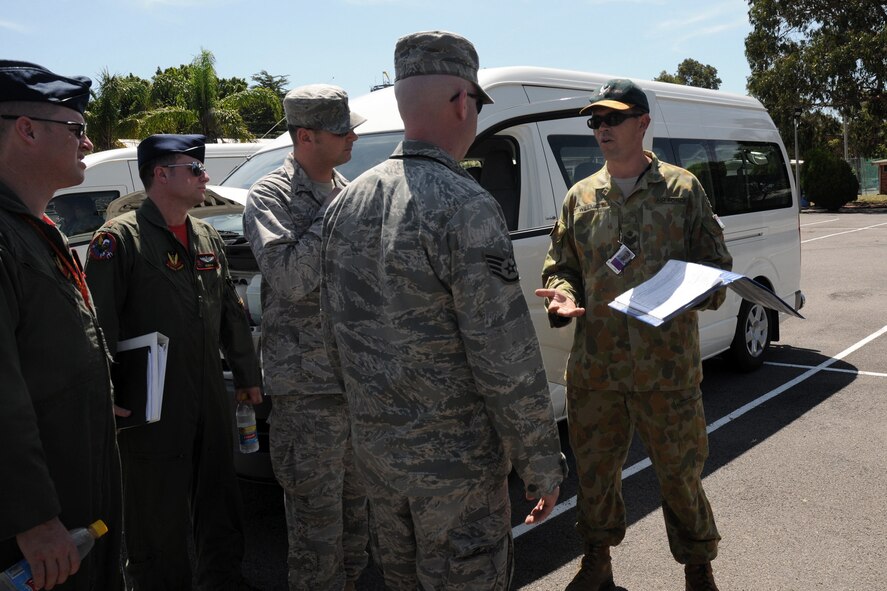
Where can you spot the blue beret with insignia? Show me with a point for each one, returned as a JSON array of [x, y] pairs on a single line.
[[24, 81], [161, 144]]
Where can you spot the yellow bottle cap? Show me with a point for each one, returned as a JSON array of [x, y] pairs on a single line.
[[98, 529]]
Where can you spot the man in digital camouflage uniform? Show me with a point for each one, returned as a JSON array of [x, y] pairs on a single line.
[[635, 213], [160, 269], [428, 328], [58, 453], [310, 430]]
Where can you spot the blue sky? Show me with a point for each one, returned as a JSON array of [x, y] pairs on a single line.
[[351, 42]]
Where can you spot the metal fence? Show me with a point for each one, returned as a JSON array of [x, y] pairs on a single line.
[[867, 173]]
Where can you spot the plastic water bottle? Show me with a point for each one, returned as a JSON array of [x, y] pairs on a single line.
[[18, 577], [246, 427]]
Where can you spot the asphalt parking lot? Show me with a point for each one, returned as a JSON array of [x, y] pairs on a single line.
[[797, 471]]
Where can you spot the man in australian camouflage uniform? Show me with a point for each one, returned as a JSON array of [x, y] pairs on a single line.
[[310, 428], [429, 330], [618, 227]]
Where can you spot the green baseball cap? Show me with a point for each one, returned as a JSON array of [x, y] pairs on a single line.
[[437, 52], [619, 94]]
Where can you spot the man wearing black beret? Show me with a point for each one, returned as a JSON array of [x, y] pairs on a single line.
[[160, 269], [58, 454]]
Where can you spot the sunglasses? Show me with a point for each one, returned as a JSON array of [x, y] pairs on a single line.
[[197, 168], [79, 132], [612, 119], [478, 101]]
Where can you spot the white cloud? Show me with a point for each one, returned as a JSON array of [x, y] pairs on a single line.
[[11, 26]]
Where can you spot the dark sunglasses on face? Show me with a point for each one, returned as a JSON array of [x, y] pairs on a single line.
[[197, 168], [478, 101], [79, 132], [612, 119]]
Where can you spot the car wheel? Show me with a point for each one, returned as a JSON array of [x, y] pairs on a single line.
[[753, 333]]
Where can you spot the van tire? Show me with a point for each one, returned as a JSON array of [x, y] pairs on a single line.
[[754, 330]]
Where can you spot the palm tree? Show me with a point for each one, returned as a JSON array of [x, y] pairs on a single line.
[[115, 100], [202, 111]]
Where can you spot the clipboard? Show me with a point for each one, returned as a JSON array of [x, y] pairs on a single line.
[[138, 373]]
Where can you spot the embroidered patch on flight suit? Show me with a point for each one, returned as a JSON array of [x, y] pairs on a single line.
[[671, 200], [503, 268], [206, 261], [102, 247], [173, 261]]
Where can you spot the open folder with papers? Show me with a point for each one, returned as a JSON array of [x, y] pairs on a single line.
[[680, 286], [138, 372]]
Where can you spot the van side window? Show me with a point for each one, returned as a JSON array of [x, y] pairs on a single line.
[[578, 156], [495, 164], [80, 213], [738, 177]]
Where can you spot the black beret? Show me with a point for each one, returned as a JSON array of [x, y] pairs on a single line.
[[154, 146], [24, 81]]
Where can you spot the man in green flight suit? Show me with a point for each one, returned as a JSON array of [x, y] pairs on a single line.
[[58, 455], [159, 269]]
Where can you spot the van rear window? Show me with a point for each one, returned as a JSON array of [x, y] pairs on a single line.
[[739, 177]]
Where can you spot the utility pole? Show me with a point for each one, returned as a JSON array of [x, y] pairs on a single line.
[[797, 117]]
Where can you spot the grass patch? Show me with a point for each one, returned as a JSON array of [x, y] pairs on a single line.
[[869, 200]]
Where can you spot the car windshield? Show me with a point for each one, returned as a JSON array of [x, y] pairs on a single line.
[[369, 150]]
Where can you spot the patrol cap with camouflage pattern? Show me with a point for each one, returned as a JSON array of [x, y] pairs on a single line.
[[437, 52], [320, 106], [619, 94], [24, 81]]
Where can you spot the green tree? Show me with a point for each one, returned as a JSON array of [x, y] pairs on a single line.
[[115, 99], [229, 86], [169, 87], [820, 55], [692, 73], [827, 180], [276, 84]]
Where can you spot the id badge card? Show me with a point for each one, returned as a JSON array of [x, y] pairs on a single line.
[[620, 260]]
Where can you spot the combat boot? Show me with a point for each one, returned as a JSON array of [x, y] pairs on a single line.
[[595, 572], [699, 577]]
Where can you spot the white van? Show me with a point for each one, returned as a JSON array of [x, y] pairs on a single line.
[[114, 173], [532, 145]]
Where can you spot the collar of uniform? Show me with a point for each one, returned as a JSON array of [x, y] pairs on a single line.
[[420, 149], [300, 183], [602, 180], [149, 211], [11, 202]]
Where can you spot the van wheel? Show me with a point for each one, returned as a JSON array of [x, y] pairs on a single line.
[[753, 332]]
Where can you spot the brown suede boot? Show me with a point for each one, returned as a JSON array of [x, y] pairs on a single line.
[[595, 572], [699, 577]]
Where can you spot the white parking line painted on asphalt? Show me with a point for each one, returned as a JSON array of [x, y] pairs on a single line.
[[822, 222], [832, 369], [840, 233], [523, 528]]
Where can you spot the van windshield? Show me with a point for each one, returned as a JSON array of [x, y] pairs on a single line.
[[368, 151]]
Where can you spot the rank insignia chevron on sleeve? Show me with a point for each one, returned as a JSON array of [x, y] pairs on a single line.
[[502, 267]]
